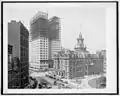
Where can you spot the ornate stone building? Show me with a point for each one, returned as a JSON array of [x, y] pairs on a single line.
[[78, 63]]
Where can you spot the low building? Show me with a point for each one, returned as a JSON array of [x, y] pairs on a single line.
[[97, 66], [102, 54], [74, 65], [69, 65]]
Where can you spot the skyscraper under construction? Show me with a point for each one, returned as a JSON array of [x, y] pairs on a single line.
[[54, 30], [45, 40]]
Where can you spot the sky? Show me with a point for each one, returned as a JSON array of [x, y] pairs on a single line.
[[89, 19]]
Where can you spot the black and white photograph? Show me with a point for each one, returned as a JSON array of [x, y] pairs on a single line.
[[59, 47]]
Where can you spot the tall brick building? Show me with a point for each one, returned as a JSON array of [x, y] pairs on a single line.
[[18, 55]]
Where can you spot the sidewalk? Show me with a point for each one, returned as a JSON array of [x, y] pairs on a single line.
[[84, 82]]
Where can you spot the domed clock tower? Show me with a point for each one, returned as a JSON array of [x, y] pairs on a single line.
[[80, 47]]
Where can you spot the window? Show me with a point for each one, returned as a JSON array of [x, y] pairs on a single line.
[[24, 41], [21, 40]]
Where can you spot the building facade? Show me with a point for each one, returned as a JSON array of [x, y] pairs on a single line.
[[72, 65], [55, 35], [24, 54], [102, 54], [18, 55], [78, 63], [39, 41], [45, 40]]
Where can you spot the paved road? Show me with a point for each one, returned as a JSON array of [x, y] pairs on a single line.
[[43, 78], [84, 84]]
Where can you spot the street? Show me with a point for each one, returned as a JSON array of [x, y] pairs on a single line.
[[77, 83]]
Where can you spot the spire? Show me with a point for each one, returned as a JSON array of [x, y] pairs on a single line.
[[80, 42], [80, 35]]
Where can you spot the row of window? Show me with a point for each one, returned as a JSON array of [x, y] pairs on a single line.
[[24, 51], [43, 63], [43, 49], [24, 54], [13, 63], [23, 41], [43, 42], [44, 54], [24, 31], [43, 57]]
